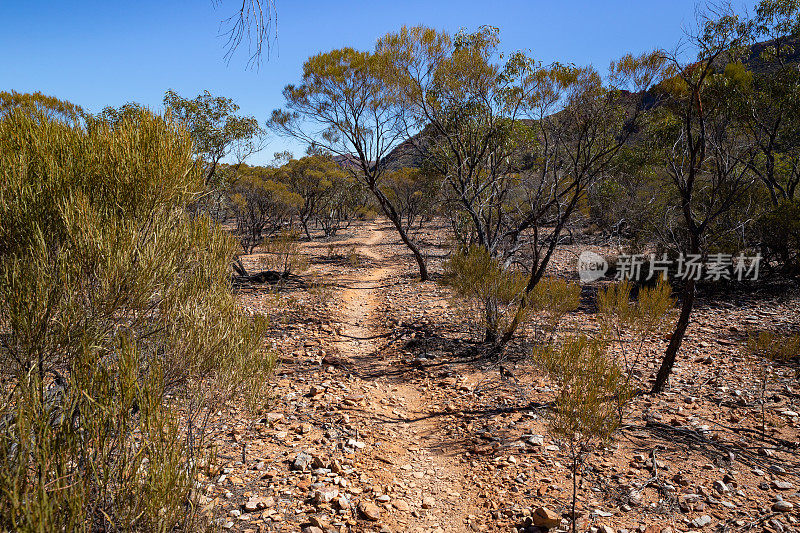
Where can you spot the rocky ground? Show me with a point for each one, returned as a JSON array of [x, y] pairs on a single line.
[[384, 417]]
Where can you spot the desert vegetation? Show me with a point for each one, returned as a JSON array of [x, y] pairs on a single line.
[[491, 294]]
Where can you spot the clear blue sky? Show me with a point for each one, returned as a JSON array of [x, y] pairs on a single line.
[[101, 53]]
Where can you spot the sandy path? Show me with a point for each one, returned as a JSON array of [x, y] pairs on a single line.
[[416, 465]]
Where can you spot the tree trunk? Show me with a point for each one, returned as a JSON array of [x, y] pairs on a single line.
[[491, 313], [392, 215], [423, 268], [304, 223], [677, 338], [574, 494]]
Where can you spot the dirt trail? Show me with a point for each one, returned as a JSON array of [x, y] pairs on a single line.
[[412, 458]]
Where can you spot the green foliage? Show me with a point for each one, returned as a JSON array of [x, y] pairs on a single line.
[[774, 347], [550, 301], [593, 378], [345, 105], [330, 195], [770, 349], [592, 390], [629, 325], [42, 105], [119, 330], [479, 278], [779, 233], [414, 193], [647, 315], [262, 204], [215, 128], [281, 253]]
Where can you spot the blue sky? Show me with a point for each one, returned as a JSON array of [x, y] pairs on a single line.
[[100, 53]]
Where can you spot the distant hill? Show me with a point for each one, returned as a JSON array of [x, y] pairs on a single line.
[[346, 161], [755, 63]]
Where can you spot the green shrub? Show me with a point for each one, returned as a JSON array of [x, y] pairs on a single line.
[[629, 325], [479, 278], [770, 349], [118, 328], [780, 236], [592, 390], [281, 253], [593, 373], [494, 290]]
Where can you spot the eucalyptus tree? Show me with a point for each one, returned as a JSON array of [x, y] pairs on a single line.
[[216, 129], [464, 104], [345, 105], [580, 125], [706, 157], [324, 188], [516, 143], [415, 192], [769, 97], [262, 204]]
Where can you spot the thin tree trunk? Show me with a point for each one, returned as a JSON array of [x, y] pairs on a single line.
[[423, 268], [392, 215], [677, 338], [574, 493], [490, 309]]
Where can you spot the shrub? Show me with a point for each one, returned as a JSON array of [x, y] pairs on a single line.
[[551, 300], [593, 383], [479, 278], [282, 254], [630, 324], [118, 326], [592, 390], [770, 348], [780, 236]]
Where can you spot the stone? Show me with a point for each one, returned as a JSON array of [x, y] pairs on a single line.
[[544, 517], [250, 506], [781, 485], [606, 529], [312, 529], [721, 487], [370, 511], [782, 506], [271, 418], [342, 502], [302, 462], [256, 503], [320, 462], [319, 522], [326, 495], [701, 521], [428, 502], [401, 505], [536, 440]]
